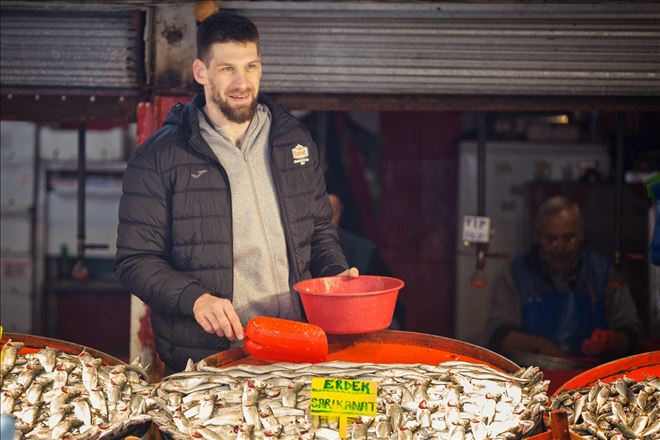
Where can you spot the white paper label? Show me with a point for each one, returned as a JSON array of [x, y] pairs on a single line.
[[476, 229]]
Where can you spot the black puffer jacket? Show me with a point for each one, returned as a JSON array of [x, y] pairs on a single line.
[[175, 234]]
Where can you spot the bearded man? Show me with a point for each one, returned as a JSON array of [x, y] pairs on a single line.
[[224, 208]]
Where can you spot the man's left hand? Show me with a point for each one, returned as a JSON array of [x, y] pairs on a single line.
[[601, 341], [353, 272]]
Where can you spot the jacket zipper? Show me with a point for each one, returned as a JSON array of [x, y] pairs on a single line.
[[297, 274]]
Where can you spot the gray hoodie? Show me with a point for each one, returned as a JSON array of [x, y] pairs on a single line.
[[261, 269]]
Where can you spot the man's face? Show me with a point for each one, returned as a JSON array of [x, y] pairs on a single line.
[[232, 79], [560, 240]]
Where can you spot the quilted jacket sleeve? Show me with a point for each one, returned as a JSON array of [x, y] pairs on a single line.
[[144, 239], [327, 256]]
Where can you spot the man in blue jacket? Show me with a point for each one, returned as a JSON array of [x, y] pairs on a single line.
[[224, 208], [555, 300]]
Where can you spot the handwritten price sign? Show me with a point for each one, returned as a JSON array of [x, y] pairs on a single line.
[[342, 398]]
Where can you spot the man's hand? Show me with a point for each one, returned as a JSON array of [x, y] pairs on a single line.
[[516, 340], [353, 272], [549, 348], [601, 341], [217, 315]]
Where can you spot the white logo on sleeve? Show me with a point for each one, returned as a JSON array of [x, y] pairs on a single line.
[[300, 154], [197, 174]]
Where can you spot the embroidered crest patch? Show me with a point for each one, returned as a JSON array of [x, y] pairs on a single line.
[[300, 154]]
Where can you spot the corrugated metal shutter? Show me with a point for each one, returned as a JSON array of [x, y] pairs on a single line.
[[69, 49], [475, 48]]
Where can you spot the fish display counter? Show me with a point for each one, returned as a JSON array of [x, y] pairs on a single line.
[[420, 386]]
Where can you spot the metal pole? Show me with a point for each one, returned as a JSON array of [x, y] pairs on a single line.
[[478, 278], [81, 191], [618, 191], [37, 262]]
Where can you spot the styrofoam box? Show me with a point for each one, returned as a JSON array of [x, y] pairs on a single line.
[[100, 145], [17, 141], [15, 233], [17, 184], [16, 275], [16, 312]]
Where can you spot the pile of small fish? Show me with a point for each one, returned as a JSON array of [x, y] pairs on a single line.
[[452, 400], [53, 394], [625, 408]]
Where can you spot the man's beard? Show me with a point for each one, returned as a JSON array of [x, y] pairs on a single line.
[[238, 115]]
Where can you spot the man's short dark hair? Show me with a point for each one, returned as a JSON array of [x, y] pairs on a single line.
[[222, 27]]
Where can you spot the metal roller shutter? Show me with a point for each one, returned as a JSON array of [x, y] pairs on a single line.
[[69, 49], [470, 48]]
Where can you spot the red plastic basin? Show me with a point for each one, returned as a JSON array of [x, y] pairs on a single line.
[[345, 305]]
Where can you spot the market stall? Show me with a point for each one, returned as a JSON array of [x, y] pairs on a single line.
[[410, 190]]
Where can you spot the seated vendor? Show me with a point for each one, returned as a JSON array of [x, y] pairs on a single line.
[[555, 300]]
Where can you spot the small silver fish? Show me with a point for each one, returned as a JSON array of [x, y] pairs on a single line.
[[56, 417], [64, 427], [47, 358], [29, 414], [652, 429], [245, 432], [90, 373], [82, 411], [268, 420], [99, 403], [9, 353]]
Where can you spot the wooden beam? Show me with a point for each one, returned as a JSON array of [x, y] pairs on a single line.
[[62, 106]]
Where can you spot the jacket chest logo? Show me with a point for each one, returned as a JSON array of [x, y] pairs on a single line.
[[197, 174], [300, 154]]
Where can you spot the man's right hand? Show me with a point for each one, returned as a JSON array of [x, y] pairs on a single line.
[[217, 315]]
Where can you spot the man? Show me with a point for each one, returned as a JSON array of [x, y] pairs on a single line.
[[224, 208], [555, 300]]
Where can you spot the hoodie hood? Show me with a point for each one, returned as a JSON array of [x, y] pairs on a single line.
[[187, 116]]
